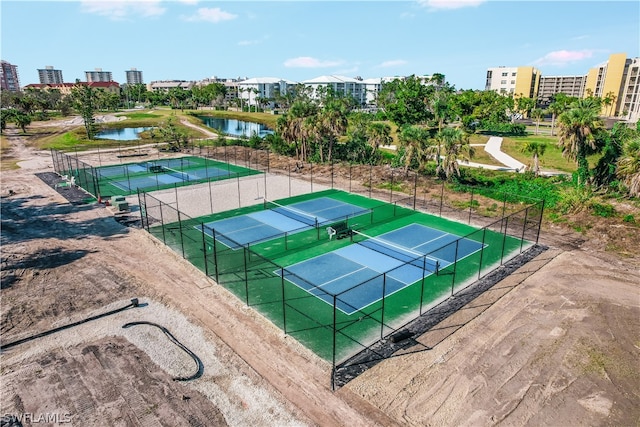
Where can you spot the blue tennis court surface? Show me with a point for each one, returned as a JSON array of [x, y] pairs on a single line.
[[264, 225], [405, 255], [168, 177]]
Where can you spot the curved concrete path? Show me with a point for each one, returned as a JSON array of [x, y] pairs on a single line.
[[493, 147]]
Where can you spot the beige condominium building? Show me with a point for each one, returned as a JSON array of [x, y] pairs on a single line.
[[616, 82]]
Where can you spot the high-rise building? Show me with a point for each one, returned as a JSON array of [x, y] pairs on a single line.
[[98, 76], [48, 75], [134, 77], [552, 85], [9, 78], [521, 81], [616, 82]]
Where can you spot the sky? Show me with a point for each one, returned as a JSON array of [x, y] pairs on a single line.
[[301, 40]]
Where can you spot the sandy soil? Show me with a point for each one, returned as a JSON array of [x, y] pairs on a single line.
[[556, 343]]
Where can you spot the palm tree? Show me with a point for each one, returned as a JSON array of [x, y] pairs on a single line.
[[537, 115], [455, 144], [628, 166], [414, 141], [576, 133], [378, 134], [296, 127], [609, 101], [536, 149], [333, 123]]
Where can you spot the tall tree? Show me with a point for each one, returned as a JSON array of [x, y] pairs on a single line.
[[414, 141], [628, 167], [576, 131], [378, 133], [559, 105], [537, 115], [406, 101], [84, 102], [536, 149], [455, 145], [294, 126], [605, 170]]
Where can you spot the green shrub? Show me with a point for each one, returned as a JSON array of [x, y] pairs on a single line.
[[629, 218], [604, 210], [574, 199]]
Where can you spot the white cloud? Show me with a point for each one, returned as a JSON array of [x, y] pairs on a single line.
[[392, 63], [309, 62], [209, 14], [563, 57], [119, 10], [449, 4]]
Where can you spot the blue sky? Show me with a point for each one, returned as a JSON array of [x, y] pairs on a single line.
[[300, 40]]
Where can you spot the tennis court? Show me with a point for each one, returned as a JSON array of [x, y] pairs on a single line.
[[278, 219], [406, 255], [158, 174]]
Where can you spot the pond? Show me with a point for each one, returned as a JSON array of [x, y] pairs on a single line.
[[236, 127], [124, 134]]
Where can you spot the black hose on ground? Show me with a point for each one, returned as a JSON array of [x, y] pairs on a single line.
[[200, 366], [134, 303]]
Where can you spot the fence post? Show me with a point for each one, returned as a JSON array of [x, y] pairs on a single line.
[[180, 233], [415, 190], [370, 179], [284, 305], [540, 221], [391, 188], [333, 356], [455, 265], [524, 227], [215, 254], [441, 197], [384, 290], [246, 275], [470, 207], [504, 239], [484, 234], [204, 250]]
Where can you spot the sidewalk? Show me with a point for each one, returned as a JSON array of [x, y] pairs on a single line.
[[493, 147]]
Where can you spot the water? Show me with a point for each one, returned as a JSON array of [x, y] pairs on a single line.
[[124, 134], [236, 127]]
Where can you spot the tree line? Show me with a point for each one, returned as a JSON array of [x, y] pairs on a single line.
[[433, 124]]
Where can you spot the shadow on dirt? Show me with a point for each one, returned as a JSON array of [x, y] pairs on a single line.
[[41, 260], [22, 222]]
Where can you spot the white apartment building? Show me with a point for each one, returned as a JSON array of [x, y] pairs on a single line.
[[521, 81], [166, 85], [341, 85], [265, 88]]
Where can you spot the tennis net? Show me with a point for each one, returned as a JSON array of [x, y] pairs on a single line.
[[292, 213], [177, 174], [398, 252]]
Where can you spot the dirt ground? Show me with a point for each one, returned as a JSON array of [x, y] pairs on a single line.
[[557, 343]]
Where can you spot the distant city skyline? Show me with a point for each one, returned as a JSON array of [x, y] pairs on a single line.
[[297, 41]]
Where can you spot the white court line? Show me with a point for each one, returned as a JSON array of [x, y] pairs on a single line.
[[345, 275], [439, 237]]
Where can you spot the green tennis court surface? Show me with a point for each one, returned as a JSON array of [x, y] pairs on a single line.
[[156, 174], [336, 296]]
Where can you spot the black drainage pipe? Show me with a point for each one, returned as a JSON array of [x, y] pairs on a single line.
[[199, 365], [134, 303]]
